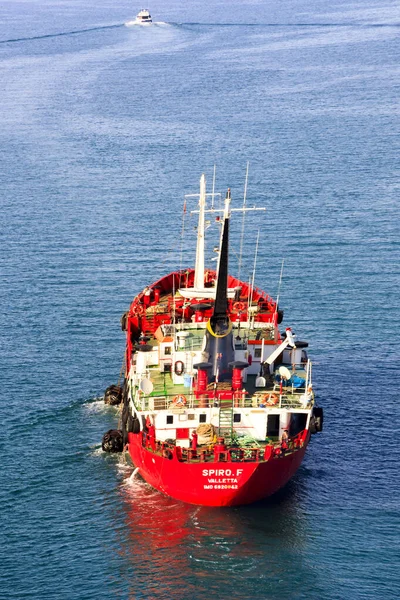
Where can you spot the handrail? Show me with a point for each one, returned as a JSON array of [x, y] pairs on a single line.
[[213, 453], [207, 400]]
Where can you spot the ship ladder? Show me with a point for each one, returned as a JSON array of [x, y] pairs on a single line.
[[150, 324], [225, 423]]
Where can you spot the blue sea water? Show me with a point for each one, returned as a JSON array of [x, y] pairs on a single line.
[[103, 129]]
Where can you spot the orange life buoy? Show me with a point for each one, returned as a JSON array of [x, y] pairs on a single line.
[[272, 399], [179, 400], [239, 306], [138, 309]]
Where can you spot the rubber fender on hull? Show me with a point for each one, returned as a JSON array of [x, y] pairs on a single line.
[[113, 395], [318, 415], [133, 425], [124, 421], [124, 321], [316, 421], [312, 427], [112, 441]]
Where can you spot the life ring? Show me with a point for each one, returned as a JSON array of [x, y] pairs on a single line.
[[138, 309], [271, 399], [239, 306], [179, 367], [179, 400]]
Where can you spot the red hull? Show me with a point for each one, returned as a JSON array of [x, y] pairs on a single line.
[[215, 483]]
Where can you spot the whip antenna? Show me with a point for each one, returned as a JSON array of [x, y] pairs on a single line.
[[182, 236], [279, 284], [244, 206], [254, 271], [213, 187]]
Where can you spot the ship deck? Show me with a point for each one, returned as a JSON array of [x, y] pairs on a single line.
[[165, 390]]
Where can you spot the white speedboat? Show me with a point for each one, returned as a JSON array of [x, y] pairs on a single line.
[[143, 17]]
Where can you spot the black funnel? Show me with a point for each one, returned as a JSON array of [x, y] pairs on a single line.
[[221, 303], [219, 344]]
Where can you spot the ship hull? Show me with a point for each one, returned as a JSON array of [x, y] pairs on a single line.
[[215, 483]]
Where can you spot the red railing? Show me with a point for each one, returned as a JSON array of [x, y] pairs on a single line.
[[221, 453]]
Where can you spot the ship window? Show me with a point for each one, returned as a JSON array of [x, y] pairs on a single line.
[[191, 416], [202, 418], [237, 417], [170, 419], [167, 350], [257, 352], [273, 426]]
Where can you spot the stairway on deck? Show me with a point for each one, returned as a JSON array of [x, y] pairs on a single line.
[[225, 423]]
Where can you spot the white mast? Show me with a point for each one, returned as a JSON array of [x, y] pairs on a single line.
[[244, 206], [254, 272], [199, 268], [213, 188], [279, 285], [199, 290]]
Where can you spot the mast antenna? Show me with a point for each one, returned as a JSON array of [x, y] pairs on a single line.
[[279, 284], [254, 270], [182, 236], [244, 213], [213, 187]]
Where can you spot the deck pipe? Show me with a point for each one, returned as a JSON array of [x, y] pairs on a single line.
[[202, 376], [237, 374]]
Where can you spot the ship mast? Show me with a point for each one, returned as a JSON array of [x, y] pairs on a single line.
[[199, 267], [199, 290]]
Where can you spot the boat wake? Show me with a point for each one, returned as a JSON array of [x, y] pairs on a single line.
[[60, 34], [134, 23], [290, 25], [96, 406], [135, 486], [97, 450], [131, 478]]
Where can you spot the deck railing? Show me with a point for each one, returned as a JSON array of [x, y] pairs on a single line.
[[218, 452], [178, 403]]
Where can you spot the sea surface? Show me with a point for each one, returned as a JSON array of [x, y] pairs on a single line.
[[103, 129]]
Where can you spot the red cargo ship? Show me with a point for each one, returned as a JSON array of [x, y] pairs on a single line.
[[218, 406]]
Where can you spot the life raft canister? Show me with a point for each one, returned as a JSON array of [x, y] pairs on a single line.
[[179, 367]]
